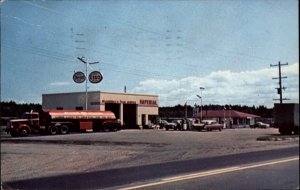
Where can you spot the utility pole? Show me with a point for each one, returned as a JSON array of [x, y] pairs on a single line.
[[185, 110], [279, 90]]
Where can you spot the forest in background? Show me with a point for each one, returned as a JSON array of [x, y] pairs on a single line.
[[179, 110], [12, 109]]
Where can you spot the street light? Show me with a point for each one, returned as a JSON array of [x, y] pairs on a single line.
[[200, 106], [201, 89], [224, 125]]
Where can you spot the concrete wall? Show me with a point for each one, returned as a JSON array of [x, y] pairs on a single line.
[[69, 101]]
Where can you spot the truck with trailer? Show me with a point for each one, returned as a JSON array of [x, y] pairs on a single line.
[[286, 118], [62, 122]]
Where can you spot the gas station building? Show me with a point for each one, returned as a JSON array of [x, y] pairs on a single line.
[[132, 109]]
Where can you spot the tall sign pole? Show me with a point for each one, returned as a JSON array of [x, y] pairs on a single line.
[[279, 90], [94, 77]]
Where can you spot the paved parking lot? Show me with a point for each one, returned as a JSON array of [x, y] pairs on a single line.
[[37, 156]]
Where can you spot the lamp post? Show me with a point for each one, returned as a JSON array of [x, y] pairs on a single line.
[[230, 124], [200, 106], [185, 110], [201, 89], [186, 116], [224, 125]]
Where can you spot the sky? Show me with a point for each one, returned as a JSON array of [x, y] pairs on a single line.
[[168, 48]]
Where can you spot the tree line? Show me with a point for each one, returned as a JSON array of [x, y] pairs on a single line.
[[13, 109], [180, 110]]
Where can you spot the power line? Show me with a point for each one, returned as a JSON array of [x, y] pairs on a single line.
[[138, 53], [126, 52], [161, 34], [115, 21], [63, 57]]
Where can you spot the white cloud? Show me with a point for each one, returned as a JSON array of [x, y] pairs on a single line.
[[254, 87]]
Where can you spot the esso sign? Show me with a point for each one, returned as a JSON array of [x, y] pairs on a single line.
[[79, 77], [95, 77]]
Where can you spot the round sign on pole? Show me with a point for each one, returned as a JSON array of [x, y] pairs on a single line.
[[79, 77], [95, 77]]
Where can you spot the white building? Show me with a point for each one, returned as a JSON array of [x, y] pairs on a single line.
[[132, 109]]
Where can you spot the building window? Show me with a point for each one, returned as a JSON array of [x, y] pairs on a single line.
[[59, 108], [79, 108]]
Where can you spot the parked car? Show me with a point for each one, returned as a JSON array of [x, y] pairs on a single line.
[[197, 125], [213, 125], [168, 125], [261, 125], [206, 125]]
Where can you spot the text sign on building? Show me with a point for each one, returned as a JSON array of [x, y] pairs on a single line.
[[95, 77], [79, 77], [148, 102]]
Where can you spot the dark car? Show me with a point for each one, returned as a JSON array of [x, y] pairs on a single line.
[[168, 125]]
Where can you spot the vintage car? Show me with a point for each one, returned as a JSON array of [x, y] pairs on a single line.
[[197, 125], [168, 125], [213, 126], [261, 125], [208, 125]]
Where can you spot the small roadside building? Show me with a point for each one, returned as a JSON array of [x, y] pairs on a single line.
[[132, 109], [231, 118]]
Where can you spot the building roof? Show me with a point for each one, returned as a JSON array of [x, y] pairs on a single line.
[[100, 92], [228, 113]]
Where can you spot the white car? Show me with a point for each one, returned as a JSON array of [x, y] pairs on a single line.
[[261, 125]]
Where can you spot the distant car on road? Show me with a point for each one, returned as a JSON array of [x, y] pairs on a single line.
[[261, 125]]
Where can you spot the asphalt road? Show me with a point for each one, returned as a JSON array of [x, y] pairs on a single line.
[[147, 174], [281, 175]]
